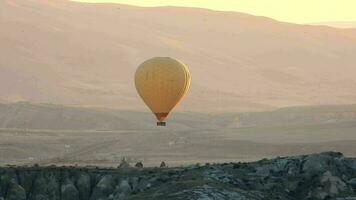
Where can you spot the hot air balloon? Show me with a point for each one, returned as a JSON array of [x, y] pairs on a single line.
[[162, 82]]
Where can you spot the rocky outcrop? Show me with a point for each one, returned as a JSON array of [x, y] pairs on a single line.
[[318, 176]]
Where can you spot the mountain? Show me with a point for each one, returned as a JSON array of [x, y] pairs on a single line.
[[86, 54], [327, 175], [338, 24], [27, 116]]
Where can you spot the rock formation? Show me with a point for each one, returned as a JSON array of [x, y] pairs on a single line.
[[318, 176]]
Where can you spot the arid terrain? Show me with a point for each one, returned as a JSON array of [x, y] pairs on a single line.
[[271, 111], [338, 24], [53, 134], [86, 54], [324, 176]]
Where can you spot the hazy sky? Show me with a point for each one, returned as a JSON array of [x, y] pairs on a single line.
[[298, 11]]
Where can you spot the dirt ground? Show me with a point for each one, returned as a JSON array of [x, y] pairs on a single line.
[[107, 148]]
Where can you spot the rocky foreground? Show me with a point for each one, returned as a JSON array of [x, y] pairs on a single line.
[[319, 176]]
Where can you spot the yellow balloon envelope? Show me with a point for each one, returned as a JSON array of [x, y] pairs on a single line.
[[162, 82]]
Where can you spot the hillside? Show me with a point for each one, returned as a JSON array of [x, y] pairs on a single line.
[[317, 176], [86, 54], [338, 24], [58, 117], [63, 135]]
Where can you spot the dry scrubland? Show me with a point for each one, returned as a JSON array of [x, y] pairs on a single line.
[[81, 54], [52, 134]]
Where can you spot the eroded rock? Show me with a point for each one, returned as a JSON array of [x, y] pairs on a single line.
[[317, 176]]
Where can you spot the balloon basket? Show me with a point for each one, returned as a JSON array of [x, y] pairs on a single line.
[[161, 123]]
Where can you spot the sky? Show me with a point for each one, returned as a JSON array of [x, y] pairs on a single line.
[[295, 11]]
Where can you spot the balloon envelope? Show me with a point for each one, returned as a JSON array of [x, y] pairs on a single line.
[[162, 82]]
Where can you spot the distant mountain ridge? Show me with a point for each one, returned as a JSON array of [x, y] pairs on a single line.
[[338, 24], [26, 117], [65, 52]]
